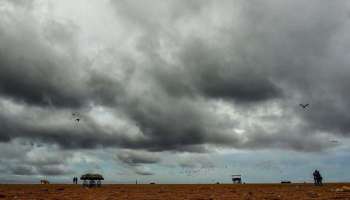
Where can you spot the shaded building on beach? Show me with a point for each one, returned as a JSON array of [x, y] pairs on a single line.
[[92, 180]]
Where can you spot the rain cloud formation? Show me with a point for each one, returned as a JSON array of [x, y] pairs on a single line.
[[164, 78]]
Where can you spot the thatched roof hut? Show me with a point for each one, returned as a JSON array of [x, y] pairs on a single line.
[[95, 177]]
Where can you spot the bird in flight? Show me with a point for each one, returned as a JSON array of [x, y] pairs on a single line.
[[304, 105], [76, 116]]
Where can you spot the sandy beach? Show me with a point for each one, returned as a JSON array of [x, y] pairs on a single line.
[[190, 192]]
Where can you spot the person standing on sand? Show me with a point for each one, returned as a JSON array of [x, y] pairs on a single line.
[[317, 178], [75, 180]]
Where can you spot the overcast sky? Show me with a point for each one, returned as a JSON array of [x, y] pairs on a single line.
[[174, 91]]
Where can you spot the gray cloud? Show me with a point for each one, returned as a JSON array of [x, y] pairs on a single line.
[[208, 73], [195, 165], [196, 162], [37, 77], [187, 82], [137, 161], [134, 158], [143, 172], [23, 170], [23, 159], [54, 170]]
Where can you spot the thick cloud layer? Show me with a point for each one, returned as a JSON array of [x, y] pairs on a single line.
[[23, 159], [174, 76]]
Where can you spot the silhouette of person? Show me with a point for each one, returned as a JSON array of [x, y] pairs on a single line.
[[317, 178], [315, 174]]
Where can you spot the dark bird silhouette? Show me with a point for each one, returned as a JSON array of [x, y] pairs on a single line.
[[304, 105]]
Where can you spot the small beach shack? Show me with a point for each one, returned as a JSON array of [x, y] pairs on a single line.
[[92, 180], [237, 178]]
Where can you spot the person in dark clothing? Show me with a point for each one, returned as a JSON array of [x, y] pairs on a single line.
[[317, 178], [75, 180]]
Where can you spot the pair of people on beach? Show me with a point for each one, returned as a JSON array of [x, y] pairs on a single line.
[[75, 180], [317, 178]]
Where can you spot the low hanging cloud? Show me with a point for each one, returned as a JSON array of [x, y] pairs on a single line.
[[137, 161], [143, 172], [23, 159], [134, 158]]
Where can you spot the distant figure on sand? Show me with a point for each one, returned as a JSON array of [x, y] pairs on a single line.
[[75, 180], [317, 178]]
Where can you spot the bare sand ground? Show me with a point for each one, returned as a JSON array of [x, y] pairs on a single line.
[[168, 192]]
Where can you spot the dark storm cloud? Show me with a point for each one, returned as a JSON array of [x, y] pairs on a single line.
[[33, 71], [177, 124], [265, 60], [30, 70], [329, 113], [309, 59], [36, 85], [70, 135], [206, 73], [23, 170], [41, 80], [245, 55]]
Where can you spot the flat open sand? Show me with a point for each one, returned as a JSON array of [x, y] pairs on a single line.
[[194, 192]]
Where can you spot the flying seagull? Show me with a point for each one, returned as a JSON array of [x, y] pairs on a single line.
[[76, 116], [304, 105]]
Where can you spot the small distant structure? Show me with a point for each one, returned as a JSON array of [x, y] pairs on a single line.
[[286, 182], [44, 181], [92, 180], [152, 183], [237, 179]]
